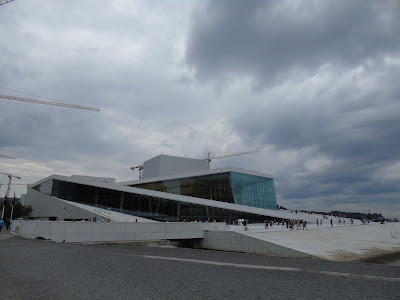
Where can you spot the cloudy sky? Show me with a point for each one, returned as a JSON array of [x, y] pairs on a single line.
[[313, 85]]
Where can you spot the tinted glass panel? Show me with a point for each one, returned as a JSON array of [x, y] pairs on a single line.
[[215, 187], [253, 190]]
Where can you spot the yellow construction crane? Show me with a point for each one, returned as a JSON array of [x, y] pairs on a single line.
[[140, 168], [227, 155], [53, 103], [10, 176], [5, 1]]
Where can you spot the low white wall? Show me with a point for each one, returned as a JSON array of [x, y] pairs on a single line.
[[111, 231], [237, 242]]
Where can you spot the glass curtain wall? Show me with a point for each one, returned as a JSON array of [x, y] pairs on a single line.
[[214, 187], [253, 190], [140, 205], [232, 187]]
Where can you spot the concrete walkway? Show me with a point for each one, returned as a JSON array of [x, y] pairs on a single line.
[[5, 234]]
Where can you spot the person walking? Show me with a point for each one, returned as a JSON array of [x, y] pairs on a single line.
[[331, 223], [1, 224], [305, 224], [245, 225]]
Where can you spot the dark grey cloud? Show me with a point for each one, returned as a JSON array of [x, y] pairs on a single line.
[[328, 73], [358, 140], [271, 40]]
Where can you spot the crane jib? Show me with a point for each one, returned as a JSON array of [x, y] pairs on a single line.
[[48, 102]]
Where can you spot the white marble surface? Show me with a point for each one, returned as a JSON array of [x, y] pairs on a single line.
[[344, 241]]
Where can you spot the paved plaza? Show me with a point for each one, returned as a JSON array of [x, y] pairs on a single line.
[[340, 242], [38, 269]]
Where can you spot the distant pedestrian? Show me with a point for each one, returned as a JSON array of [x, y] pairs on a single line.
[[1, 224], [245, 225], [266, 224], [351, 221], [317, 222], [305, 224], [331, 223]]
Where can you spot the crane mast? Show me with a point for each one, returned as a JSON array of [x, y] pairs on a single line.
[[12, 205], [10, 176], [48, 102], [140, 168]]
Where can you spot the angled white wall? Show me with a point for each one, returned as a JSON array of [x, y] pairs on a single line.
[[111, 231]]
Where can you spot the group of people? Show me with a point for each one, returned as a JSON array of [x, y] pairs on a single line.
[[94, 219], [292, 224]]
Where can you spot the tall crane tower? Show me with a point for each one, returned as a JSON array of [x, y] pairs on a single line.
[[53, 103], [12, 205], [10, 176], [227, 155], [140, 168]]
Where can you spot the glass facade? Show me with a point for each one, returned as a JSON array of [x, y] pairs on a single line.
[[215, 187], [140, 205], [231, 187], [253, 190]]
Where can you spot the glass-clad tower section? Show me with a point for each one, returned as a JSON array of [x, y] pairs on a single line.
[[253, 190], [211, 187], [231, 187]]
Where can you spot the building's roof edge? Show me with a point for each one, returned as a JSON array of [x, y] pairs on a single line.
[[195, 174]]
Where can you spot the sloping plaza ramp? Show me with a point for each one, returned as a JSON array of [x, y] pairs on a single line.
[[340, 243]]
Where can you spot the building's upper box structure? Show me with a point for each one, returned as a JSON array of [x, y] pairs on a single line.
[[165, 165]]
